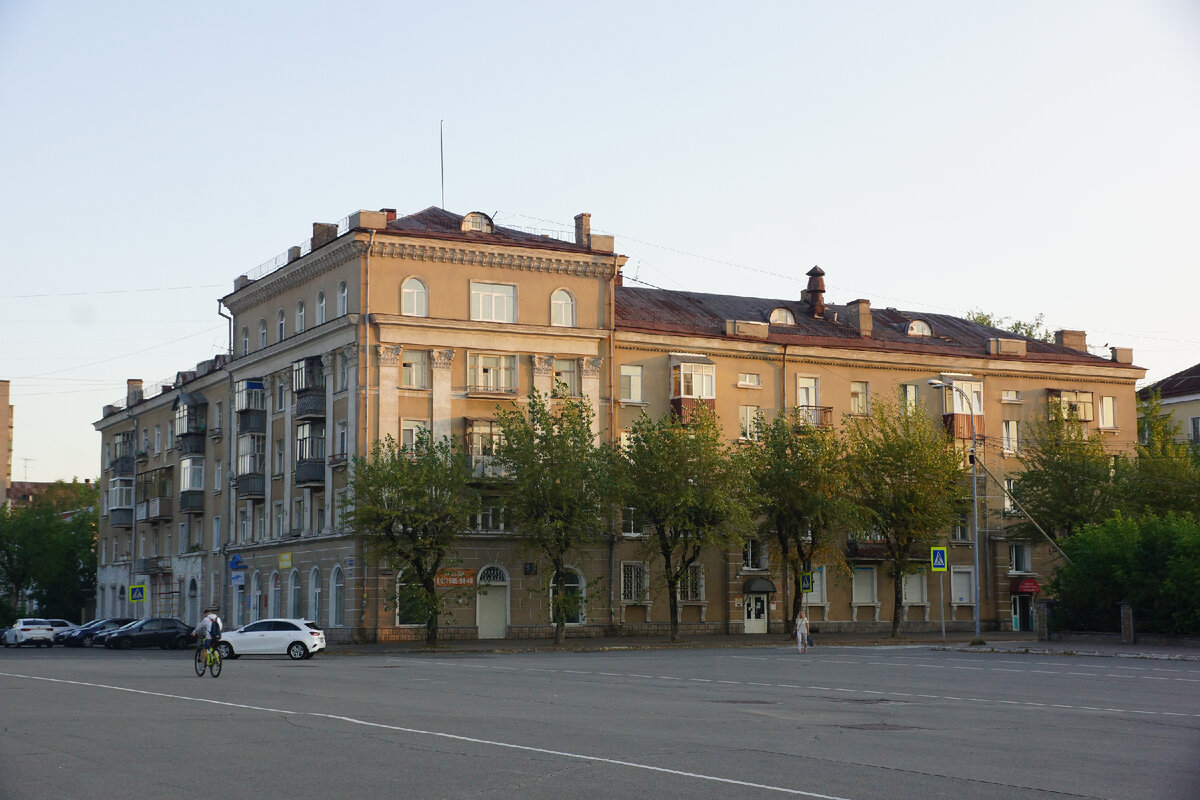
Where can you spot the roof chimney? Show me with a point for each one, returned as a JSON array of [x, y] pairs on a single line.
[[133, 392], [1073, 340], [323, 233], [814, 295], [858, 314], [583, 230]]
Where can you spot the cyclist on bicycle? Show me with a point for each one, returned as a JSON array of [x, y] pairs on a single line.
[[208, 632]]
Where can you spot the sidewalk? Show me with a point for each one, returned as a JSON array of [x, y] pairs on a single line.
[[995, 642]]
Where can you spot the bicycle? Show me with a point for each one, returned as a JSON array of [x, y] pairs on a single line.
[[208, 658]]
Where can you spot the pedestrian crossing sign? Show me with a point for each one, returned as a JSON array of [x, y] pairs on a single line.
[[937, 558], [805, 582], [137, 594]]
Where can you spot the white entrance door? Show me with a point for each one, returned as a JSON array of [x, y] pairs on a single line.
[[756, 613], [491, 603]]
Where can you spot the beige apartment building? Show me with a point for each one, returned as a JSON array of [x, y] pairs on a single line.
[[1180, 398], [6, 447], [227, 485]]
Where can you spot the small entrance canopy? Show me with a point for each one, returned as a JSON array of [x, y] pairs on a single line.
[[758, 585]]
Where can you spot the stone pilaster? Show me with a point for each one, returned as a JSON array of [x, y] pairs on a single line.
[[543, 373], [440, 362], [589, 386], [388, 358]]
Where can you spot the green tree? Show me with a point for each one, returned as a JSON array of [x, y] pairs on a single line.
[[680, 476], [21, 532], [1165, 476], [65, 579], [556, 487], [800, 475], [1035, 329], [1066, 480], [409, 504], [908, 477]]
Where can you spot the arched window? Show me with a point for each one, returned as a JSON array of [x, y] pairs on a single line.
[[342, 305], [320, 308], [279, 326], [314, 595], [262, 333], [276, 601], [781, 316], [245, 342], [562, 309], [919, 327], [575, 602], [294, 594], [300, 317], [337, 598], [414, 298], [255, 597]]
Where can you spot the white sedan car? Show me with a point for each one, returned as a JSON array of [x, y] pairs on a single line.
[[37, 632], [295, 638]]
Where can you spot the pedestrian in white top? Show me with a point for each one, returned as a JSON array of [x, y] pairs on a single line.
[[802, 633]]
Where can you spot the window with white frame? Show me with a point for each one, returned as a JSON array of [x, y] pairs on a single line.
[[919, 327], [1010, 396], [961, 531], [343, 372], [260, 522], [914, 588], [634, 582], [1010, 440], [1020, 558], [962, 586], [310, 441], [342, 305], [782, 316], [216, 534], [278, 462], [631, 522], [817, 595], [955, 403], [414, 298], [562, 309], [340, 438], [863, 587], [631, 383], [243, 525], [297, 521], [748, 423], [410, 432], [280, 394], [860, 398], [191, 475], [320, 308], [492, 373], [493, 302], [908, 396], [566, 377], [157, 439], [691, 584], [490, 518], [1079, 404], [1010, 484], [300, 317], [483, 437], [694, 380], [1108, 412], [245, 341], [277, 519], [414, 369], [749, 380], [754, 554], [279, 322]]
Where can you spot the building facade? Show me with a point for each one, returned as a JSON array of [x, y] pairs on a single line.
[[227, 486], [1180, 398]]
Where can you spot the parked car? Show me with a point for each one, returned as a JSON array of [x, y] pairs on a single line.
[[102, 636], [295, 638], [85, 635], [161, 632], [29, 630], [60, 627]]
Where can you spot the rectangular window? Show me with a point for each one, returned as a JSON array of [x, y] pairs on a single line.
[[482, 438], [493, 302], [218, 482], [280, 395], [914, 588], [1020, 559], [1077, 404], [414, 369], [277, 519], [694, 380], [185, 537], [339, 507], [1009, 485], [634, 583], [489, 519], [817, 595], [566, 377], [157, 439], [252, 449], [216, 534], [1010, 440], [343, 372], [218, 414], [1108, 412], [341, 440], [691, 584], [310, 441], [962, 529], [859, 398], [260, 523], [908, 396], [191, 475], [248, 396], [120, 493], [1010, 396], [1195, 428], [171, 435], [243, 525], [318, 513], [962, 586], [492, 373], [748, 421], [631, 383], [862, 589], [754, 554], [278, 460], [955, 403], [410, 430], [749, 380], [297, 521], [631, 522]]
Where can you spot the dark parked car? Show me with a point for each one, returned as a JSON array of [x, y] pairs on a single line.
[[161, 632], [85, 636]]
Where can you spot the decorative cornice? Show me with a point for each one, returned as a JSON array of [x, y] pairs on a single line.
[[292, 275], [591, 266], [441, 359], [542, 364]]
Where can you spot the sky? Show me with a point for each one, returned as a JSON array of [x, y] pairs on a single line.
[[1019, 158]]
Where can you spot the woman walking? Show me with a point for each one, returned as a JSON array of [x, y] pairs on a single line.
[[802, 633]]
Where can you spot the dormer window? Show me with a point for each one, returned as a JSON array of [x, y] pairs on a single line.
[[919, 327], [478, 222], [781, 316]]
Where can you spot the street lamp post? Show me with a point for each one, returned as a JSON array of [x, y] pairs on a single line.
[[935, 383]]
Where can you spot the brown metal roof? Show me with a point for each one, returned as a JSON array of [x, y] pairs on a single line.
[[1178, 385], [442, 224], [700, 314]]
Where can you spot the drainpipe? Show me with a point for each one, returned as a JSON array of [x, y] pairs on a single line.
[[366, 426], [230, 500], [611, 323]]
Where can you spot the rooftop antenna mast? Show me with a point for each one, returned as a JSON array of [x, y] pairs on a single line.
[[442, 153]]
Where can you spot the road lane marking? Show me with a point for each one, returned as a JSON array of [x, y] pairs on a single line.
[[451, 736]]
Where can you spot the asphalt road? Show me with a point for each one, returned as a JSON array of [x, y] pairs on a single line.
[[903, 723]]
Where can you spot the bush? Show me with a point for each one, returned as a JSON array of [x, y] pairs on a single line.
[[1152, 562]]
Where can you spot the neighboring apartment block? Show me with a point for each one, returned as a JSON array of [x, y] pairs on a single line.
[[6, 446], [1180, 397], [227, 487]]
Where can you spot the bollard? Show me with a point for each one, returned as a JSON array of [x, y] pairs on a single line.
[[1127, 633]]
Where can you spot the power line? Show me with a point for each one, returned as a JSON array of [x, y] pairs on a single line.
[[111, 291]]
